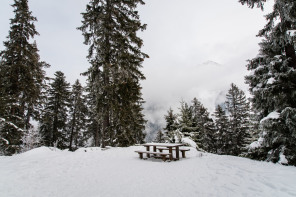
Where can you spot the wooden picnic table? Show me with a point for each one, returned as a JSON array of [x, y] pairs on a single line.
[[166, 145]]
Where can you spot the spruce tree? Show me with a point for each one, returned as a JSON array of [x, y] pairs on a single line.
[[185, 121], [195, 122], [31, 139], [273, 85], [222, 135], [252, 3], [159, 137], [93, 128], [110, 28], [77, 117], [55, 115], [238, 109], [21, 78], [127, 119], [171, 125], [204, 127]]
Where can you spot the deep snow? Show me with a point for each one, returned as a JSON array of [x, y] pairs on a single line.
[[91, 172]]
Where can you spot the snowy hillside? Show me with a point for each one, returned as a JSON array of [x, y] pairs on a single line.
[[115, 172]]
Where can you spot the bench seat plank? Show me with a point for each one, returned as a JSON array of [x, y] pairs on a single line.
[[155, 153], [184, 149], [161, 155]]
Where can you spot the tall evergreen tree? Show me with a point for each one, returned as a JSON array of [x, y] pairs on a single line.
[[273, 84], [171, 125], [93, 126], [238, 109], [222, 135], [55, 115], [127, 118], [204, 126], [77, 116], [194, 121], [21, 78], [159, 137], [110, 28], [185, 121]]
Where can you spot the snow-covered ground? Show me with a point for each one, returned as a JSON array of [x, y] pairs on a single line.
[[91, 172]]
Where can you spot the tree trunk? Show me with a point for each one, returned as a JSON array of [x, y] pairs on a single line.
[[28, 116], [106, 110], [54, 129], [105, 128], [290, 53], [97, 137], [72, 130]]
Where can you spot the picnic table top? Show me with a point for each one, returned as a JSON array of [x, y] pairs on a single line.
[[162, 144]]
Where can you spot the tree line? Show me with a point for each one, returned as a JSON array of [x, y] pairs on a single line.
[[227, 131], [108, 111]]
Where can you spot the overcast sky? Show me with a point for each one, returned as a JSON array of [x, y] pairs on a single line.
[[196, 48]]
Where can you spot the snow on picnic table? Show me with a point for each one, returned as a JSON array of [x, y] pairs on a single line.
[[91, 172]]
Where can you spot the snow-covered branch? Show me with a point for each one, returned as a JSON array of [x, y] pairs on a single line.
[[3, 121], [5, 140]]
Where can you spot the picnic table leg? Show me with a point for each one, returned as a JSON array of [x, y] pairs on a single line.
[[183, 154], [148, 149], [177, 152], [154, 150], [171, 152]]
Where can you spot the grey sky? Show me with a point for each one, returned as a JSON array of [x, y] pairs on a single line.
[[181, 36]]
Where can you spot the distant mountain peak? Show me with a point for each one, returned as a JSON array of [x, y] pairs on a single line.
[[212, 63]]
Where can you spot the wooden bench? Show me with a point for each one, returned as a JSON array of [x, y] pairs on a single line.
[[182, 150], [161, 155], [162, 148]]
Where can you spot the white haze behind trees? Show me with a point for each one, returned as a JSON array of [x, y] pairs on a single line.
[[196, 48]]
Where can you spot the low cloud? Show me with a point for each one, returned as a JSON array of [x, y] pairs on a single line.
[[167, 86]]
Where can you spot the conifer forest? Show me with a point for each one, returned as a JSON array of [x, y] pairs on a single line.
[[108, 109]]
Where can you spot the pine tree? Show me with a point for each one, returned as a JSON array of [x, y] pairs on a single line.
[[128, 120], [31, 139], [222, 135], [93, 128], [21, 78], [77, 117], [204, 127], [238, 109], [252, 3], [254, 125], [171, 125], [55, 115], [185, 121], [159, 137], [198, 122], [110, 28], [195, 122], [273, 84]]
